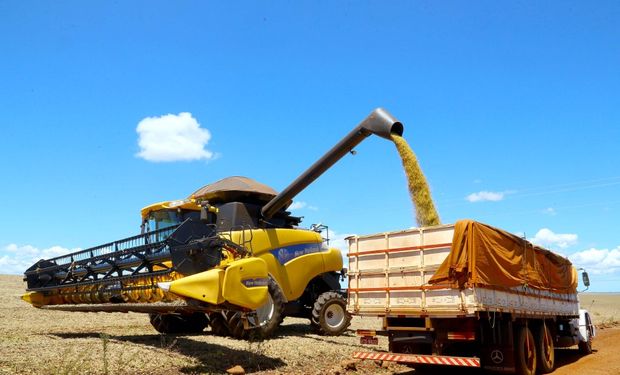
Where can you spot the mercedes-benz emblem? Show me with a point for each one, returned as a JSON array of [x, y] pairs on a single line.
[[497, 356]]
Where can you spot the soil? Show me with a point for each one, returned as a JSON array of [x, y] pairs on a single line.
[[34, 341]]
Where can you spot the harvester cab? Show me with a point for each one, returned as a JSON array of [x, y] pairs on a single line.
[[230, 256], [169, 213]]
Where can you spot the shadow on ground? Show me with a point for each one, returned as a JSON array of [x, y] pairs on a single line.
[[213, 358]]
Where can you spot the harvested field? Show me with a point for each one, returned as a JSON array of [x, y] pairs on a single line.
[[33, 341]]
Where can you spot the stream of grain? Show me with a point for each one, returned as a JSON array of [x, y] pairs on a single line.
[[425, 212]]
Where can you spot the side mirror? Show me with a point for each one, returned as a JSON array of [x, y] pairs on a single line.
[[586, 279]]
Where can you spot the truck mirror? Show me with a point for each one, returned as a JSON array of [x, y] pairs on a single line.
[[586, 279]]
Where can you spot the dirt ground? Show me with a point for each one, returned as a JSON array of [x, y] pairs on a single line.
[[33, 341]]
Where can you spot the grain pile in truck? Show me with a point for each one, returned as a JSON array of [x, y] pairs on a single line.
[[468, 295]]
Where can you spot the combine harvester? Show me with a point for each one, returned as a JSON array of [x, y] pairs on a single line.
[[466, 295], [231, 256]]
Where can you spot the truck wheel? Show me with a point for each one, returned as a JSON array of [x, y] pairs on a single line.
[[585, 347], [329, 315], [525, 352], [176, 323], [545, 350], [218, 324], [268, 317]]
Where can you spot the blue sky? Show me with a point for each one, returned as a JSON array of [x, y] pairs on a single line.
[[512, 108]]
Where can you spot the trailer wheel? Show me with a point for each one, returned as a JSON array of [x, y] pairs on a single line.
[[525, 352], [545, 350], [218, 324], [177, 323], [329, 315]]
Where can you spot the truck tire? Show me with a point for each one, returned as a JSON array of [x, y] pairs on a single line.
[[545, 351], [585, 347], [268, 317], [329, 314], [525, 352], [218, 324], [177, 323]]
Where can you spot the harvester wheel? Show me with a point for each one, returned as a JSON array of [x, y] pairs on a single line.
[[329, 315], [176, 323], [268, 317], [218, 324]]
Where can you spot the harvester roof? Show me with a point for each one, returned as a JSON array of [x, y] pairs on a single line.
[[235, 188], [185, 204]]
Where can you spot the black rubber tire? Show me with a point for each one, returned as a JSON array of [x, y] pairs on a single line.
[[267, 330], [329, 303], [235, 325], [177, 323], [525, 352], [545, 350], [219, 326], [585, 347], [235, 322]]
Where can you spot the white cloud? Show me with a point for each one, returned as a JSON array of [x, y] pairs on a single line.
[[15, 259], [298, 205], [546, 238], [549, 211], [597, 261], [337, 240], [173, 138], [485, 196]]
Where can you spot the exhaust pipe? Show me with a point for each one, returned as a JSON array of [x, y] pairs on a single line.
[[380, 122]]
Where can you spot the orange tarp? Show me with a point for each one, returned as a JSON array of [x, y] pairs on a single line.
[[485, 256]]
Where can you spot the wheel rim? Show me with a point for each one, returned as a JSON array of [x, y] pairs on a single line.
[[265, 312], [530, 351], [548, 353], [334, 315]]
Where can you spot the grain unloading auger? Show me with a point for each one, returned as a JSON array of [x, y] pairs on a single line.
[[242, 262]]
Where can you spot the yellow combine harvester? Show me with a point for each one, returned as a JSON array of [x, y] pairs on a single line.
[[230, 256]]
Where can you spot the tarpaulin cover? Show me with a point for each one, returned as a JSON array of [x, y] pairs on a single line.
[[485, 256]]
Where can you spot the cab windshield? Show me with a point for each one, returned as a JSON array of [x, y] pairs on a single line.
[[163, 219], [167, 218]]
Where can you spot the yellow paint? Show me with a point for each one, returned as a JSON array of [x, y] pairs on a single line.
[[185, 204], [296, 274], [38, 299], [204, 286], [235, 292]]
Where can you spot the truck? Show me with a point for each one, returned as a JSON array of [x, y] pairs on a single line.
[[230, 256], [466, 294]]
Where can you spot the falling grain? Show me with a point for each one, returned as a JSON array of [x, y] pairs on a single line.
[[426, 214]]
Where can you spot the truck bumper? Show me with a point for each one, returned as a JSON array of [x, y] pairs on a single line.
[[420, 359]]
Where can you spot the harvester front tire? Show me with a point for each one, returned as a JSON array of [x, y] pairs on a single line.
[[329, 314], [269, 316], [219, 326], [176, 323]]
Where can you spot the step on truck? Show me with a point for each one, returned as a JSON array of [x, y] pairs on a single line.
[[466, 294]]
